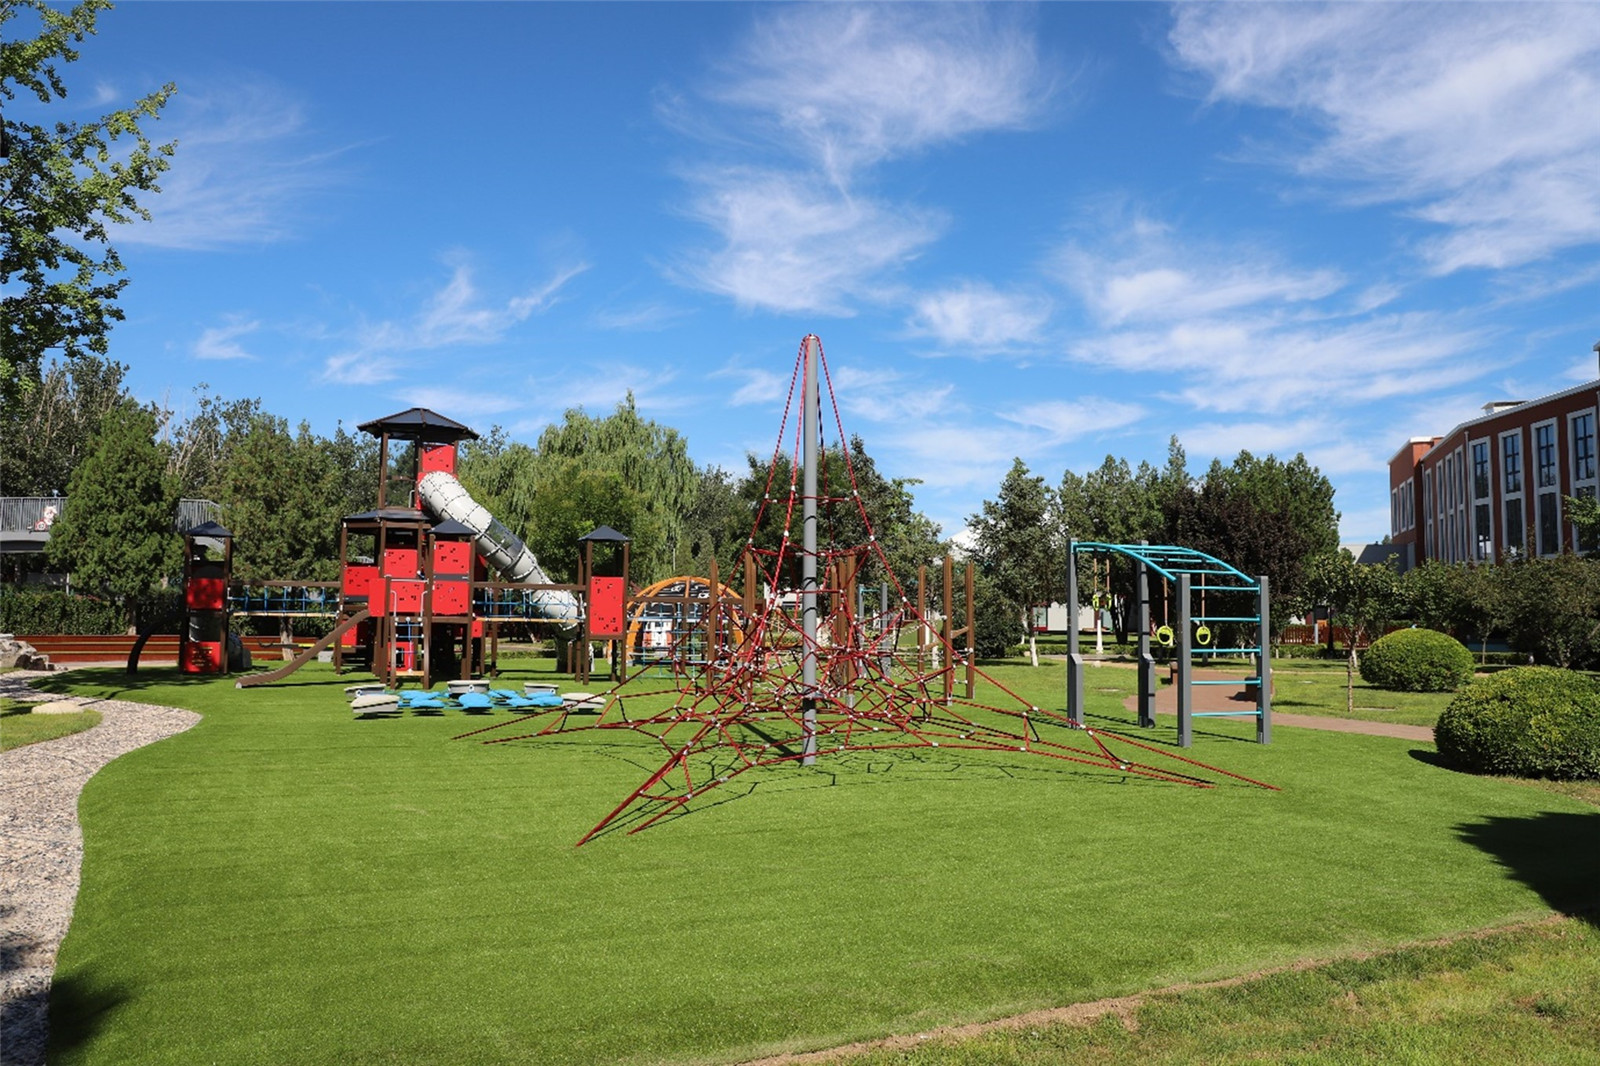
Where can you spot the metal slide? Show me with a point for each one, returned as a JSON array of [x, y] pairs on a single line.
[[443, 495], [252, 680]]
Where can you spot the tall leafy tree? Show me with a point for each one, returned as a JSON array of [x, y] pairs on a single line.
[[1363, 596], [64, 185], [282, 499], [1015, 546], [47, 432], [198, 444], [116, 531], [651, 459], [574, 500]]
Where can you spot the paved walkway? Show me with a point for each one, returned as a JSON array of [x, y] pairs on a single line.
[[41, 849], [1220, 698]]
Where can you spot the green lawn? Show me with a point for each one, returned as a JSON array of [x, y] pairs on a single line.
[[18, 726], [281, 884], [1532, 995]]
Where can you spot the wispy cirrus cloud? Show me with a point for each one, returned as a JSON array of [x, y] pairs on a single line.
[[793, 243], [793, 145], [222, 342], [1477, 118], [976, 317], [1067, 420], [455, 315], [875, 83], [245, 168], [883, 394]]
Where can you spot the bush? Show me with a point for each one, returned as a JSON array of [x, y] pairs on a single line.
[[26, 611], [1531, 721], [1417, 660]]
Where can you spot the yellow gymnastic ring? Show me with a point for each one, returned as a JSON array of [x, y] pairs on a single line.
[[1164, 636], [1202, 635]]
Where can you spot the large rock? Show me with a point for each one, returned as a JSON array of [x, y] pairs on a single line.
[[20, 655]]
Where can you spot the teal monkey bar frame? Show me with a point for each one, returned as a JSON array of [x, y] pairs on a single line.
[[1190, 572]]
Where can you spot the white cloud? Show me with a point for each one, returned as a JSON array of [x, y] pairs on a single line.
[[760, 386], [795, 244], [1478, 118], [454, 316], [977, 317], [459, 402], [881, 394], [1145, 275], [241, 174], [222, 342], [814, 99], [854, 86], [1065, 420]]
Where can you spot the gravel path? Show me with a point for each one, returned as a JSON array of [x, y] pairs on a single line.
[[41, 849]]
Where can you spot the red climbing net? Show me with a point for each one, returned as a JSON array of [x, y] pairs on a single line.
[[744, 705]]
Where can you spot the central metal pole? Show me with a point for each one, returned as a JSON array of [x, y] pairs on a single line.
[[810, 420]]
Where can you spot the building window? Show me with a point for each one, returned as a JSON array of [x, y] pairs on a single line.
[[1428, 551], [1511, 480], [1482, 507], [1580, 431], [1546, 487]]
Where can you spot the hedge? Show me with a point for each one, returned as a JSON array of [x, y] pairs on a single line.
[[1417, 660], [51, 611], [1530, 721]]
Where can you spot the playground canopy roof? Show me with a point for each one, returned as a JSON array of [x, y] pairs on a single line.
[[605, 533], [388, 514], [1170, 560], [211, 529], [451, 528], [419, 424]]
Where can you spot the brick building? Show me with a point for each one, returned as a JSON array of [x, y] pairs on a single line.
[[1491, 488]]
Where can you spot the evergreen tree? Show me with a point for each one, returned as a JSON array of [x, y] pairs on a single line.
[[47, 432], [282, 498], [116, 531]]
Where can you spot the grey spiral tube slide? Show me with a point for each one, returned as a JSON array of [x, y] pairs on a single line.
[[446, 497]]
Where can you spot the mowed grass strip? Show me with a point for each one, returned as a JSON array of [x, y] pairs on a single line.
[[282, 884], [20, 727], [1532, 995]]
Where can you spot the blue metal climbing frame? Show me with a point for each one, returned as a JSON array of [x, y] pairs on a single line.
[[1190, 573]]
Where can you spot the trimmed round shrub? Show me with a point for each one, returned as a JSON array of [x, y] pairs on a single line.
[[1417, 660], [1531, 721]]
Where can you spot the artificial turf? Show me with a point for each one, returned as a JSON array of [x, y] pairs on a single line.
[[282, 884]]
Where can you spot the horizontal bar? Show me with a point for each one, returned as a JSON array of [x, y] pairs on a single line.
[[1225, 714], [1225, 588], [1227, 618], [1222, 651]]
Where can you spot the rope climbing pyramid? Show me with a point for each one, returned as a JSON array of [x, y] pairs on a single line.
[[807, 672]]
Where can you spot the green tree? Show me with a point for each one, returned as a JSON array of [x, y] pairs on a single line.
[[116, 531], [197, 445], [47, 432], [1014, 545], [1584, 514], [282, 499], [1552, 607], [574, 499], [1363, 596], [651, 459], [65, 184]]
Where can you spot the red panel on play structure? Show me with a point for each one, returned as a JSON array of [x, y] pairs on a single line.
[[452, 558], [400, 562], [205, 594], [405, 597], [606, 617], [436, 457], [201, 657], [452, 597], [358, 580]]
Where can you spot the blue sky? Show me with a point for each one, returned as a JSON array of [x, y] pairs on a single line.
[[1051, 232]]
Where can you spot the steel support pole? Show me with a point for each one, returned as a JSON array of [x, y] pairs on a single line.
[[810, 421], [1185, 663], [1147, 662], [1264, 689], [1074, 654]]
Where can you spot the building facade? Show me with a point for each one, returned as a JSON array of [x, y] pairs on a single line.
[[1491, 489]]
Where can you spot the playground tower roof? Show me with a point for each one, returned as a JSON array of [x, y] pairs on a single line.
[[419, 424]]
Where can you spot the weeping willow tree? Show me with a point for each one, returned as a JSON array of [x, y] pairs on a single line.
[[647, 463]]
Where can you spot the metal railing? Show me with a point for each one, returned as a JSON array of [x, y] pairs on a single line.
[[36, 514]]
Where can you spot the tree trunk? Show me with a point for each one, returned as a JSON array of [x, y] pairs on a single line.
[[1350, 679], [1033, 636]]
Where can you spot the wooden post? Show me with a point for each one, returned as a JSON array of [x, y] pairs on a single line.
[[972, 637], [948, 674]]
